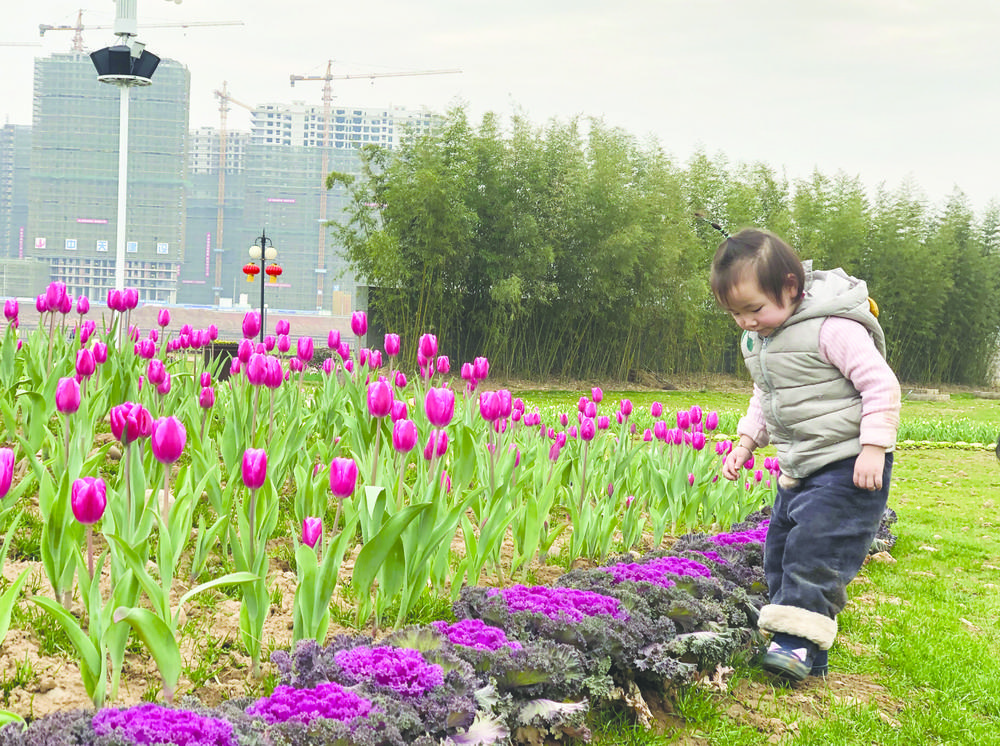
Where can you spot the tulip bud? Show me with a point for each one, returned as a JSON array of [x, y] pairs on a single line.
[[254, 468], [625, 407], [156, 372], [163, 317], [590, 409], [439, 405], [328, 366], [443, 365], [10, 309], [691, 479], [130, 299], [343, 476], [304, 349], [83, 305], [481, 368], [206, 400], [85, 363], [427, 347], [683, 420], [712, 421], [596, 394], [379, 398], [698, 440], [391, 345], [88, 499], [333, 339], [67, 395], [603, 422], [404, 435], [251, 324], [587, 429], [168, 439], [6, 470], [399, 410], [284, 343], [312, 530], [359, 323], [467, 373], [282, 326], [164, 387]]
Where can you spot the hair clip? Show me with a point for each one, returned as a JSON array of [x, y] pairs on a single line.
[[719, 228]]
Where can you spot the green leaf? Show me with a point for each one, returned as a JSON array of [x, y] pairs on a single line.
[[159, 640]]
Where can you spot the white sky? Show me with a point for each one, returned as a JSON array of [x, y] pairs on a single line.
[[883, 89]]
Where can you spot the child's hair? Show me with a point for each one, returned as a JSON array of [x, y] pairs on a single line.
[[771, 259]]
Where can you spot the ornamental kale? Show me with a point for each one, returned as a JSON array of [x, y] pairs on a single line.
[[569, 603], [329, 700], [402, 670], [154, 724], [473, 633], [656, 571], [65, 728]]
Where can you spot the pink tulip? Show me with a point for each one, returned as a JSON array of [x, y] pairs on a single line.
[[156, 372], [55, 293], [443, 365], [254, 468], [85, 363], [596, 394], [590, 409], [656, 409], [404, 435], [481, 368], [603, 422], [467, 374], [359, 323], [67, 395], [333, 339], [437, 444], [379, 398], [439, 405], [695, 414], [683, 420], [257, 369], [489, 405], [428, 346], [6, 470], [625, 407], [213, 332], [712, 421], [698, 440], [206, 399], [88, 499], [691, 479], [400, 379], [251, 324], [304, 349], [660, 430], [244, 350], [328, 366], [10, 309], [282, 326], [163, 317], [83, 305], [269, 341], [343, 476], [391, 345], [284, 343], [273, 375], [295, 365], [647, 435], [399, 410], [168, 440], [748, 464], [40, 305], [312, 530], [234, 367], [130, 299], [587, 429], [130, 422], [164, 387]]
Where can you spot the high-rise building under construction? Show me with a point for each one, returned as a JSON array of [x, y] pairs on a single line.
[[73, 183]]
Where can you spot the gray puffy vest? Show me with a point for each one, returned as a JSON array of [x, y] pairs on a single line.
[[813, 412]]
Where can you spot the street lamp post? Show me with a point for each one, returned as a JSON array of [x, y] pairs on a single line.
[[263, 250]]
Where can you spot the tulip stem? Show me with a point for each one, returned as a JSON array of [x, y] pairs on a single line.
[[165, 510], [128, 482], [399, 484], [90, 551], [583, 475], [378, 438]]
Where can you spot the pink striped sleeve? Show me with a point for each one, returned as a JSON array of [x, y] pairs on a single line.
[[847, 345], [752, 424]]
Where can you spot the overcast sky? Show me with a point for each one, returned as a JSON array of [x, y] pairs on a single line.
[[887, 90]]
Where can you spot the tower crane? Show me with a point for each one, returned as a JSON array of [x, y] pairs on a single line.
[[327, 100], [78, 28], [224, 101]]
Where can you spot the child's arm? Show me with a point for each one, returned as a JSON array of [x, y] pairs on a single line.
[[753, 434], [847, 345]]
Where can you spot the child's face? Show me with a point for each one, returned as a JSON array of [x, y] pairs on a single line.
[[754, 311]]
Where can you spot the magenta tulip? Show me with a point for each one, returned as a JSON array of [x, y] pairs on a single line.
[[333, 339], [625, 407], [328, 366], [256, 369], [284, 343], [481, 368], [695, 414], [130, 299], [304, 349], [254, 468], [156, 372], [467, 374], [88, 499], [404, 435], [130, 421], [428, 346], [85, 363], [489, 405], [251, 324], [168, 439], [83, 305], [343, 476], [10, 309], [683, 420], [603, 422], [590, 409], [67, 395], [391, 345], [596, 394], [691, 479], [439, 405], [55, 293], [163, 317], [312, 530], [698, 440], [359, 323], [711, 421], [6, 470], [587, 429], [443, 365], [163, 388], [379, 398], [206, 399], [282, 326], [437, 444], [400, 380], [66, 304]]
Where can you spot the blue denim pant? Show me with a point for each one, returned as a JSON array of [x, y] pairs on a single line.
[[819, 535]]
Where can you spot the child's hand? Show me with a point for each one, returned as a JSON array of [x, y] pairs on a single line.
[[735, 460], [868, 468]]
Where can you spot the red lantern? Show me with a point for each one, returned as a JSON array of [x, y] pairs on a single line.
[[273, 271], [250, 269]]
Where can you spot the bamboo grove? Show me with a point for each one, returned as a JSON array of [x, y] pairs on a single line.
[[573, 250]]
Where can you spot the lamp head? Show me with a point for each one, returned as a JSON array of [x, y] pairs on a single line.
[[270, 253], [255, 252]]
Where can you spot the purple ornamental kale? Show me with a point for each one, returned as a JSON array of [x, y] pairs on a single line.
[[154, 724], [329, 700], [474, 633], [402, 670], [657, 570], [569, 603], [714, 556], [755, 536]]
